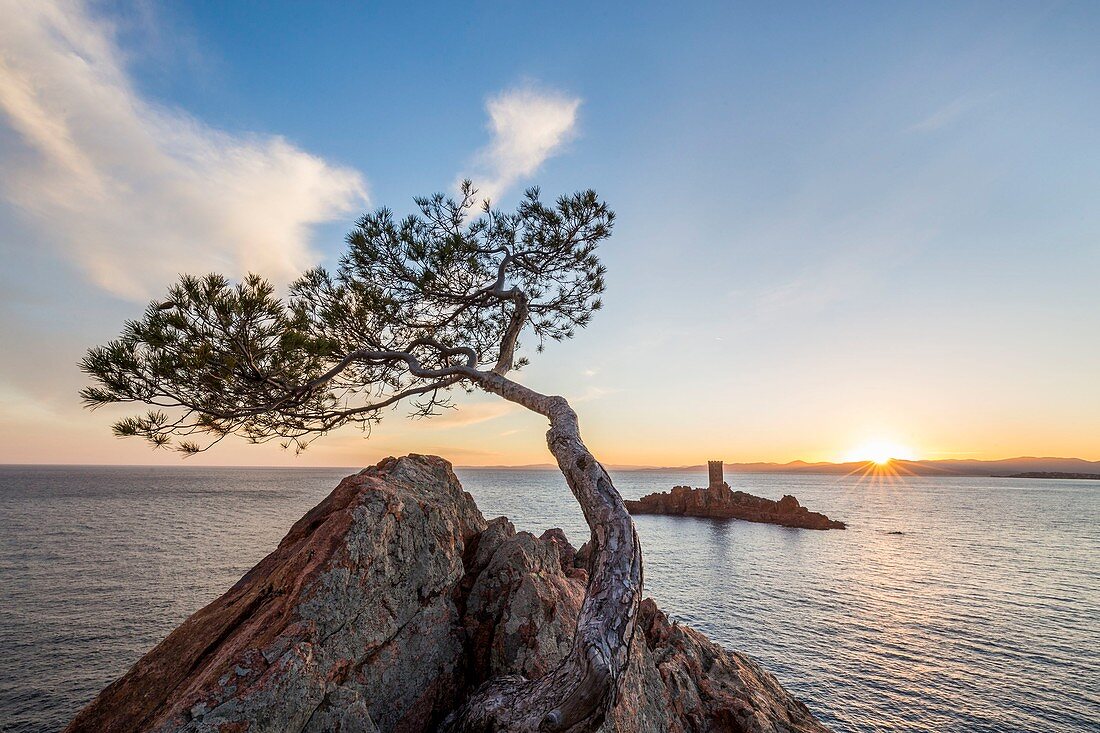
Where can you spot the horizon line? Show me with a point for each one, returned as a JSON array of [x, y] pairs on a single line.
[[551, 466]]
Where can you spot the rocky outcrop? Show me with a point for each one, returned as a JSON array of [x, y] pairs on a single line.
[[721, 502], [389, 603]]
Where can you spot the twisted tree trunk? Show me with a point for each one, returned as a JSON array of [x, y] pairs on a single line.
[[576, 696]]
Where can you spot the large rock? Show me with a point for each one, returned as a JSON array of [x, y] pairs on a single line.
[[721, 502], [388, 603]]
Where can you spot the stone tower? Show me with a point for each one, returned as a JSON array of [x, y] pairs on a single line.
[[715, 470]]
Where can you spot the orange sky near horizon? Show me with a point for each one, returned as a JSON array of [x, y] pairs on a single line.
[[488, 431], [801, 400]]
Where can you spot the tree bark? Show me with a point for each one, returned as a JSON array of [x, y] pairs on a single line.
[[576, 696]]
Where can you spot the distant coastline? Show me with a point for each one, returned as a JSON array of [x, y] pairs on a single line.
[[1057, 474], [1001, 468]]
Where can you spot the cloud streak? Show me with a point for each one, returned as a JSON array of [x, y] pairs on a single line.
[[527, 126], [950, 113], [469, 413], [133, 193]]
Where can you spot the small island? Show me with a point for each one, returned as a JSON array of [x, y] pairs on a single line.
[[719, 501]]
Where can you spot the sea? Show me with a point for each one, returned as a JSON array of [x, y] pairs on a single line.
[[950, 604]]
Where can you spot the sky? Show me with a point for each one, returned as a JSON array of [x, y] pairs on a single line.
[[839, 225]]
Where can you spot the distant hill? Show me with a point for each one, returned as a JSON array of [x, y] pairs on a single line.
[[948, 467], [1055, 474]]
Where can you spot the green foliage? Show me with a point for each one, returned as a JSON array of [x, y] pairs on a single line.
[[221, 352], [415, 307]]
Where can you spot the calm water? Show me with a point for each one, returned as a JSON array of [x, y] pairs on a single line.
[[983, 615]]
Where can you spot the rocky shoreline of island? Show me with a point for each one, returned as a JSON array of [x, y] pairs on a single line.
[[722, 502], [719, 501]]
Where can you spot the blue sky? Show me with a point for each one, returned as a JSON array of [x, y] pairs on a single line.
[[838, 223]]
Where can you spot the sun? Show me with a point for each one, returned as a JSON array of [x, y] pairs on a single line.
[[880, 452]]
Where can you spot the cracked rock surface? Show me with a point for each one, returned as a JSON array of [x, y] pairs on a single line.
[[391, 601]]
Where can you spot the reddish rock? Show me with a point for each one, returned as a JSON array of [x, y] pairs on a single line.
[[348, 624], [388, 603], [721, 502]]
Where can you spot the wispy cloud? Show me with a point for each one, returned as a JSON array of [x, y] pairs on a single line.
[[468, 413], [592, 393], [845, 273], [813, 289], [134, 193], [14, 401], [527, 126], [949, 113]]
